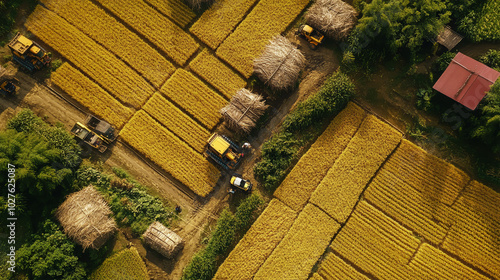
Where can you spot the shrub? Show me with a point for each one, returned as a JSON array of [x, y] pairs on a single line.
[[246, 210], [442, 63], [492, 59]]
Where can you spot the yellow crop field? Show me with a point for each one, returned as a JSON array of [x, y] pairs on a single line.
[[176, 10], [126, 264], [421, 212], [375, 243], [162, 32], [334, 268], [339, 191], [170, 153], [258, 243], [302, 246], [217, 73], [298, 186], [267, 19], [216, 23], [91, 95], [195, 97], [115, 37], [426, 172], [111, 73], [176, 121]]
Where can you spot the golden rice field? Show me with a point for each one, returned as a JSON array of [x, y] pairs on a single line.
[[170, 153], [166, 35], [221, 77], [267, 19], [126, 264], [219, 20], [401, 220], [95, 61], [176, 10], [91, 95], [114, 36]]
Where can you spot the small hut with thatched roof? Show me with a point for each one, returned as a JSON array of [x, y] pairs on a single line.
[[244, 110], [162, 240], [85, 218], [280, 64], [335, 18], [449, 38]]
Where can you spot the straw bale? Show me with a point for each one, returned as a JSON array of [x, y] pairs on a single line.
[[280, 64], [162, 240], [334, 18], [84, 215], [244, 110]]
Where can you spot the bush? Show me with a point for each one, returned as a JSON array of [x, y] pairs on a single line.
[[440, 65], [245, 212], [492, 59]]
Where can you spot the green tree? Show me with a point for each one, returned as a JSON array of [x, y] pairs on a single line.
[[492, 59], [50, 256], [488, 129]]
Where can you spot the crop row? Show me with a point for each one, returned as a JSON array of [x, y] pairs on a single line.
[[126, 264], [375, 243], [170, 153], [339, 191], [175, 10], [162, 32], [95, 61], [91, 95], [177, 121], [474, 235], [216, 23], [267, 19], [432, 263], [334, 268], [298, 186], [217, 73], [422, 212], [427, 173], [115, 37], [302, 246], [258, 243], [195, 97]]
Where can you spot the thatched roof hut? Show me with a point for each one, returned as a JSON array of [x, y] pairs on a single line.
[[162, 240], [280, 64], [449, 38], [244, 110], [84, 216], [335, 18]]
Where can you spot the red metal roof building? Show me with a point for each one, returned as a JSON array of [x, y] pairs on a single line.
[[466, 81]]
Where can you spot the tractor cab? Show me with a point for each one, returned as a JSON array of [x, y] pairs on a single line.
[[311, 35], [86, 135], [223, 151], [28, 54]]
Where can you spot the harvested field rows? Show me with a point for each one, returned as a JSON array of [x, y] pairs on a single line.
[[115, 37], [267, 19], [216, 23], [173, 155], [426, 172], [169, 37], [258, 243], [339, 191], [176, 121], [91, 95], [217, 74], [176, 10], [301, 247], [334, 268], [195, 97], [95, 61], [298, 186]]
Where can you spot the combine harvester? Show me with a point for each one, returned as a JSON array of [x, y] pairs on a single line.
[[28, 54], [95, 132], [223, 151]]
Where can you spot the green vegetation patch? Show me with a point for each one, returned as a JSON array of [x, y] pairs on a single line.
[[126, 264], [483, 24]]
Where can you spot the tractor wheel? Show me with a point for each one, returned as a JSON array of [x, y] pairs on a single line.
[[313, 46]]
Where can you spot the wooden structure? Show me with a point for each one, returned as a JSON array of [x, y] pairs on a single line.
[[449, 38]]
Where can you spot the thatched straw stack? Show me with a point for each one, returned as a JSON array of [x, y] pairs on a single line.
[[335, 18], [162, 240], [196, 4], [84, 216], [280, 64], [244, 110]]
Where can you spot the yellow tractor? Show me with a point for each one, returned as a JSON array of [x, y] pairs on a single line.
[[28, 54], [311, 35], [88, 136], [8, 84], [223, 151]]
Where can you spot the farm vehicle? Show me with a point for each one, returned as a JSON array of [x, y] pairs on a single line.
[[8, 84], [95, 132], [312, 36], [223, 151], [28, 54]]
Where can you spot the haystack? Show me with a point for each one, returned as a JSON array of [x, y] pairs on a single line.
[[244, 110], [334, 18], [84, 216], [280, 64], [163, 240]]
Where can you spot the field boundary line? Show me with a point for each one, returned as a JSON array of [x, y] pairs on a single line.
[[353, 265], [462, 191], [370, 111]]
